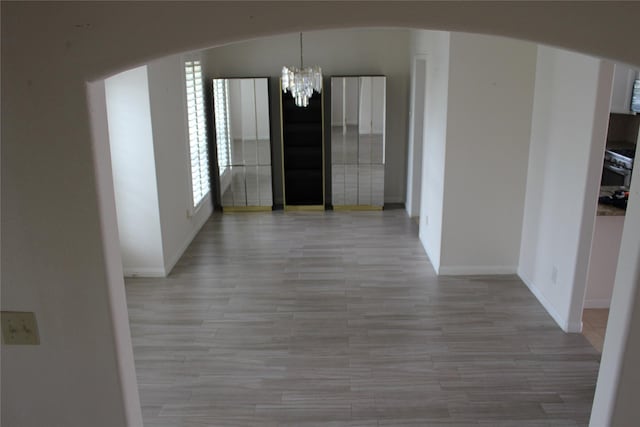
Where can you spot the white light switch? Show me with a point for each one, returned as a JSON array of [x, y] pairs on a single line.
[[19, 328]]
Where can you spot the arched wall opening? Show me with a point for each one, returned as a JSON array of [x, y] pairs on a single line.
[[46, 130]]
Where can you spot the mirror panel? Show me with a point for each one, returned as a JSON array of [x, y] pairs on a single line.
[[378, 102], [377, 185], [243, 140], [364, 184], [337, 184], [357, 141], [344, 140]]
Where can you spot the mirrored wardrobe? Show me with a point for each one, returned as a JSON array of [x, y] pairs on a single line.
[[243, 143], [358, 142]]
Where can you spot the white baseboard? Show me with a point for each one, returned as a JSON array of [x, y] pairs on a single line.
[[394, 200], [472, 270], [562, 322], [425, 247], [144, 272], [597, 303], [574, 328], [173, 260]]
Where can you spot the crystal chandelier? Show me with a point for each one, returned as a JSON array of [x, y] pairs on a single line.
[[301, 82]]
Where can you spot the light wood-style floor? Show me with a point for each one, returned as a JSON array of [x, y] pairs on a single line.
[[594, 326], [337, 319]]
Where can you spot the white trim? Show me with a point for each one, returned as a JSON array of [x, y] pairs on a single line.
[[574, 327], [592, 188], [425, 247], [562, 322], [469, 270], [144, 272], [173, 260], [112, 253], [597, 303]]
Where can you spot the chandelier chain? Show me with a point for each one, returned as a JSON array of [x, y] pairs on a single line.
[[301, 59]]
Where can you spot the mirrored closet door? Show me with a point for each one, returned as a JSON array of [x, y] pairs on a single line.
[[358, 142], [243, 143]]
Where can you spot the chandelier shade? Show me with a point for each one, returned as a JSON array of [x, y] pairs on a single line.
[[301, 82]]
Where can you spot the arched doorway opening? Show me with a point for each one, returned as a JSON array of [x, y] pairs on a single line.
[[68, 52]]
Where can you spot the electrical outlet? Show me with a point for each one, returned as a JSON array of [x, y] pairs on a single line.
[[19, 328], [554, 274]]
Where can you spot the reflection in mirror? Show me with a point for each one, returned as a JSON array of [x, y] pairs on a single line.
[[241, 110], [357, 141], [344, 140], [371, 125]]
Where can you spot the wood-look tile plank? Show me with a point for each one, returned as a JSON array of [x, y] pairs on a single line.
[[338, 319]]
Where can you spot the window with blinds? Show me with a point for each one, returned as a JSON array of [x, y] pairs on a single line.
[[223, 134], [197, 131]]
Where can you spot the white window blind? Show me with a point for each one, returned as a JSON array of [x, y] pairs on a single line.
[[223, 133], [197, 131]]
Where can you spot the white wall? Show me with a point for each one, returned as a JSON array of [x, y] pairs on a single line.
[[338, 52], [150, 160], [416, 130], [435, 137], [56, 264], [603, 261], [123, 360], [171, 148], [491, 82], [616, 397], [476, 135], [568, 134], [134, 172]]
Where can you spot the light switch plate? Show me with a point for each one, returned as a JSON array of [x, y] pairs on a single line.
[[19, 328]]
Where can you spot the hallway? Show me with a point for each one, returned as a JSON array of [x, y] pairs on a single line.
[[328, 318]]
